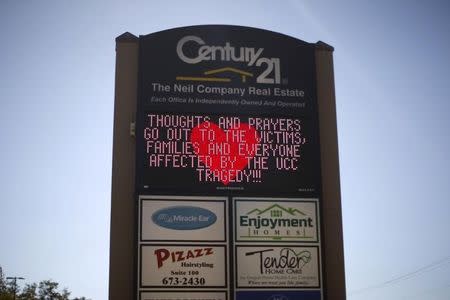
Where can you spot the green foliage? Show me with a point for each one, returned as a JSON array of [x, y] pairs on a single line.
[[4, 288], [48, 290], [29, 292], [45, 290], [2, 282]]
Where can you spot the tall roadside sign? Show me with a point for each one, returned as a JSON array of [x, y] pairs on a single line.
[[225, 179]]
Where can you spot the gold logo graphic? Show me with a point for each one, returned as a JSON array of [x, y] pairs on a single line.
[[243, 75]]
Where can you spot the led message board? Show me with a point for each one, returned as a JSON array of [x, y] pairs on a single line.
[[228, 179], [206, 152]]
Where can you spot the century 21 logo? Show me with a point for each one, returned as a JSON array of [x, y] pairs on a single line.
[[251, 56]]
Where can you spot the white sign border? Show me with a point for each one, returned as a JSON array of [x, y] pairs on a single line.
[[225, 293], [188, 202], [139, 243], [272, 199], [267, 199]]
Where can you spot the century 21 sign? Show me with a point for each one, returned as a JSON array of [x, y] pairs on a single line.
[[249, 55], [228, 179]]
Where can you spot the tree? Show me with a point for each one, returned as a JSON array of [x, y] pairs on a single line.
[[45, 290], [29, 292], [4, 287], [2, 282], [6, 296], [48, 290]]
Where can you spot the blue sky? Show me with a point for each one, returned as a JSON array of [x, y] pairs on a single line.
[[392, 78]]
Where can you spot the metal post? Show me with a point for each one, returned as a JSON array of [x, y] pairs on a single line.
[[122, 243], [334, 277], [15, 284]]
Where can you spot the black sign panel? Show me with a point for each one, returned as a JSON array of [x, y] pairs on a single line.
[[227, 152], [227, 110]]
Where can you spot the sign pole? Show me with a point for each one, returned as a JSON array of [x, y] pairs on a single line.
[[334, 277], [122, 240]]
